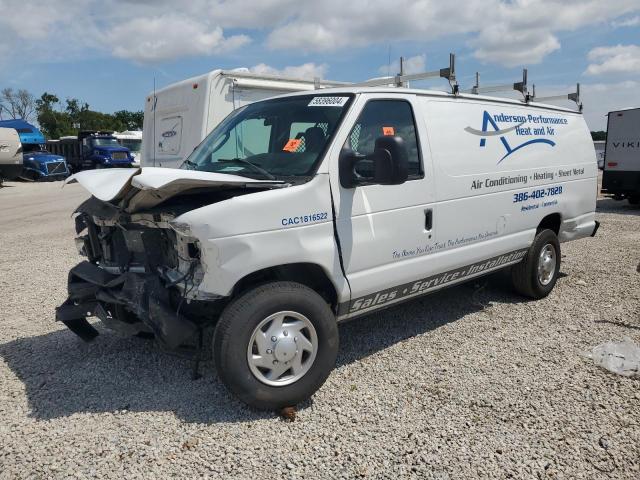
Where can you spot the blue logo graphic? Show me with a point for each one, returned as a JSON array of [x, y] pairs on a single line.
[[497, 132]]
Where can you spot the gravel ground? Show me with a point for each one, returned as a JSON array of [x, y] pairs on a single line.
[[470, 382]]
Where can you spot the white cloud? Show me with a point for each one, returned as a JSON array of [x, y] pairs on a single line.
[[527, 49], [168, 37], [306, 70], [616, 59], [517, 32], [504, 32], [626, 22], [600, 98], [415, 64]]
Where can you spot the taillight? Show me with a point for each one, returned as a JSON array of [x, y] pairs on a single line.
[[612, 164]]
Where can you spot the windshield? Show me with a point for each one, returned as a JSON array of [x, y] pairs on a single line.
[[33, 147], [132, 144], [276, 138], [106, 141]]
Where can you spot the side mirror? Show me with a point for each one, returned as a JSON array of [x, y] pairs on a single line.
[[390, 162]]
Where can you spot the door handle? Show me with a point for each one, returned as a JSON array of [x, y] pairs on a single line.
[[428, 219]]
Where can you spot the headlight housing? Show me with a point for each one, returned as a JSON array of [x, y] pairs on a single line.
[[181, 228]]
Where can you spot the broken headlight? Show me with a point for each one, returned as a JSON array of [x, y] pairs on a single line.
[[181, 228]]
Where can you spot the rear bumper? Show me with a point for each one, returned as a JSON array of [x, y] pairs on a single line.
[[93, 292], [578, 227], [621, 183]]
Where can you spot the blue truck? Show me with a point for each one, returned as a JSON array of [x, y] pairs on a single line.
[[37, 162], [92, 149]]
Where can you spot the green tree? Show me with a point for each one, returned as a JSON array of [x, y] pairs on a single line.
[[56, 121], [131, 120], [53, 122]]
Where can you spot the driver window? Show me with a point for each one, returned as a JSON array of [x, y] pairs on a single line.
[[385, 117]]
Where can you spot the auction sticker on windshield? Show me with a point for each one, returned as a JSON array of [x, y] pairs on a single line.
[[328, 101]]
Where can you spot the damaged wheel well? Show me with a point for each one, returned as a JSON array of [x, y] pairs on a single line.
[[551, 222], [308, 274]]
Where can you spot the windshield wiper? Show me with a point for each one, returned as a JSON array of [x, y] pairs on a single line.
[[257, 168]]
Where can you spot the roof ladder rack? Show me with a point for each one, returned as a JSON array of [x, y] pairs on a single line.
[[574, 97], [517, 86], [401, 80]]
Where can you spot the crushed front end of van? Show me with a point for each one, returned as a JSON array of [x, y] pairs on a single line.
[[143, 269]]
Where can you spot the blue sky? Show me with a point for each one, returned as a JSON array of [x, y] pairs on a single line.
[[109, 53]]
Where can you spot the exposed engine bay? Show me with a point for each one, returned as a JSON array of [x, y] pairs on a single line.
[[141, 276]]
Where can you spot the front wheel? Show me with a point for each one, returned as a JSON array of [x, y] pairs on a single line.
[[275, 345], [536, 275]]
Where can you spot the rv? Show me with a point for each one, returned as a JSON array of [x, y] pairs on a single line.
[[302, 211], [621, 175], [10, 154], [178, 117]]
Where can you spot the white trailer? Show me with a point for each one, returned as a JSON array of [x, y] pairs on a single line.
[[178, 117], [621, 176]]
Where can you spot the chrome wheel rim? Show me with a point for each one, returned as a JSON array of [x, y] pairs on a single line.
[[282, 348], [547, 264]]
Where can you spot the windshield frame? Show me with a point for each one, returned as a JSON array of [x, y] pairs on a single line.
[[187, 164]]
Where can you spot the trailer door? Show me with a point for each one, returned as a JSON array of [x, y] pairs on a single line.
[[622, 153]]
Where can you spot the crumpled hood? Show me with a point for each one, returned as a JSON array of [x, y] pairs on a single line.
[[149, 186]]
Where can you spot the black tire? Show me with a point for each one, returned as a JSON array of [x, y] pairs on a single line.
[[236, 326], [524, 275], [634, 200]]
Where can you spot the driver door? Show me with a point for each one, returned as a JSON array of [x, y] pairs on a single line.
[[385, 231]]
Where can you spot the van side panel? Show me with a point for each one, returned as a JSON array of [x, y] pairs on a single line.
[[500, 169]]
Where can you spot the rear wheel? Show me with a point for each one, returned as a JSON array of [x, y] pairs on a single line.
[[536, 275], [275, 345]]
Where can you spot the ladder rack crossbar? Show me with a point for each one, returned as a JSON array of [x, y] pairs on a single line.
[[401, 80]]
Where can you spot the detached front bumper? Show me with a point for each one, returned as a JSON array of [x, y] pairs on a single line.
[[95, 292]]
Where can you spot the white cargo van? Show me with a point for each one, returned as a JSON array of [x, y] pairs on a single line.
[[179, 116], [10, 154], [308, 209], [621, 176]]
